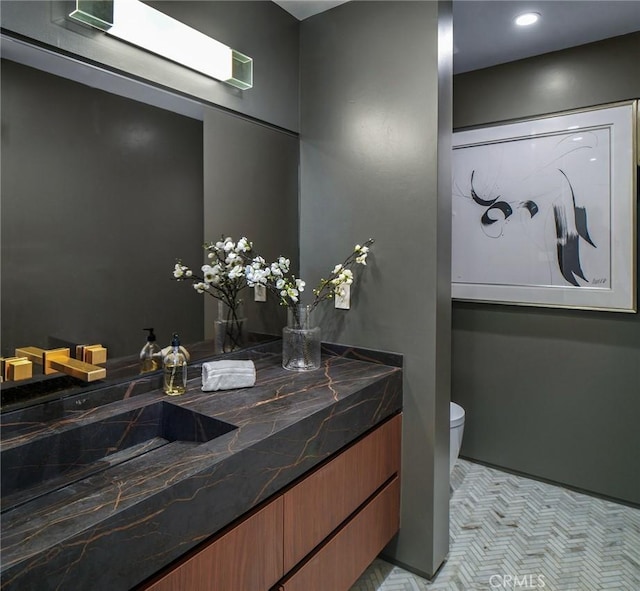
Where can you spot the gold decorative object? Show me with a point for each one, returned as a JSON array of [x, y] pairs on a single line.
[[60, 360], [14, 369], [77, 369], [48, 356], [33, 354], [93, 354]]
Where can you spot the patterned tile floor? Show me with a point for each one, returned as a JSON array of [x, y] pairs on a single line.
[[509, 532]]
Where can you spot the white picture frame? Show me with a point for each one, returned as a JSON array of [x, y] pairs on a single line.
[[544, 211]]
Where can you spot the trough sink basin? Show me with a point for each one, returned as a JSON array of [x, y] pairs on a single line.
[[69, 454]]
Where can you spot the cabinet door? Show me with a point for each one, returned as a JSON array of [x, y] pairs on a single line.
[[339, 562], [248, 557], [322, 501]]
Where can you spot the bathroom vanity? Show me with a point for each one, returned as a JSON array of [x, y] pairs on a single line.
[[292, 484]]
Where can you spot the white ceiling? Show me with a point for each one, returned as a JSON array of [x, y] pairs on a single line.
[[484, 34], [302, 9]]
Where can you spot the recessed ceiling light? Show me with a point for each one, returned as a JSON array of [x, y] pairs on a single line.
[[526, 19]]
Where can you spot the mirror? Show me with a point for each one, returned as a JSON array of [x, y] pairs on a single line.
[[100, 195]]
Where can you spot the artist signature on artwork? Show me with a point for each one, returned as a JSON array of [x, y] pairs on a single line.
[[599, 281]]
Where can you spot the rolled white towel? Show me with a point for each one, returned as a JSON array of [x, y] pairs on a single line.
[[228, 375]]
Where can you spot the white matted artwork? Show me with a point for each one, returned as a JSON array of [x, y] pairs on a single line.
[[544, 211]]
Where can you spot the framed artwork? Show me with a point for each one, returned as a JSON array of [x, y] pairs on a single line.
[[544, 211]]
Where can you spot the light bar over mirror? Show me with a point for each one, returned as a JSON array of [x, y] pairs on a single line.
[[152, 30]]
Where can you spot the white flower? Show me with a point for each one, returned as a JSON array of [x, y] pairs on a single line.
[[284, 264], [255, 275], [208, 274], [230, 269], [344, 278], [236, 272], [200, 287], [244, 245], [180, 270], [361, 259]]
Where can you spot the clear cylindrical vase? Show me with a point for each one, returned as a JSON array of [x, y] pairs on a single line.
[[300, 340], [229, 333]]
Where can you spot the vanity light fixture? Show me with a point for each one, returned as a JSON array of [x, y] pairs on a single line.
[[145, 27], [527, 18]]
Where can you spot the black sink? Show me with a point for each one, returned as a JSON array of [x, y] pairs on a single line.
[[59, 458]]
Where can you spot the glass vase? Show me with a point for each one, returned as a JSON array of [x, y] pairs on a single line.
[[229, 333], [300, 340]]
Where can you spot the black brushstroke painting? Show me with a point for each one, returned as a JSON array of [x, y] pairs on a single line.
[[479, 200], [502, 206], [531, 207], [570, 225]]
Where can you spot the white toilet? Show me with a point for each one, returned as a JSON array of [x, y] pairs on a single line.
[[456, 428]]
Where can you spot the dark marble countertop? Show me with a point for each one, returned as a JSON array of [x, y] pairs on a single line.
[[113, 527]]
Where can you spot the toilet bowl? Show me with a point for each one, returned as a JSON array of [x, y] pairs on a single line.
[[456, 427]]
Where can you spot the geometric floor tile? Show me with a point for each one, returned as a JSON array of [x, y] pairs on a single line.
[[510, 532]]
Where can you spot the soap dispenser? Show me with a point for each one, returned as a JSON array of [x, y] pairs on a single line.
[[150, 356], [175, 369]]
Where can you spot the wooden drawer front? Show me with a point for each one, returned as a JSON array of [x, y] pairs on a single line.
[[247, 558], [322, 501], [339, 563]]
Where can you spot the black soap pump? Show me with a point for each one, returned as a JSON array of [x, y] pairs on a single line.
[[175, 369], [150, 356]]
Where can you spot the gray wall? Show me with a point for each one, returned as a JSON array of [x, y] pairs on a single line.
[[259, 29], [248, 165], [373, 130], [100, 194], [251, 189], [551, 393]]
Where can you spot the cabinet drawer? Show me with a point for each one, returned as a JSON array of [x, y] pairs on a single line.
[[247, 557], [339, 563], [322, 501]]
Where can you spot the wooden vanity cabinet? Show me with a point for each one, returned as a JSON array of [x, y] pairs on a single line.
[[317, 505], [338, 563], [320, 533], [247, 557]]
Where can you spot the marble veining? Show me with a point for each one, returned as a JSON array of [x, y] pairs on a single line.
[[141, 511]]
